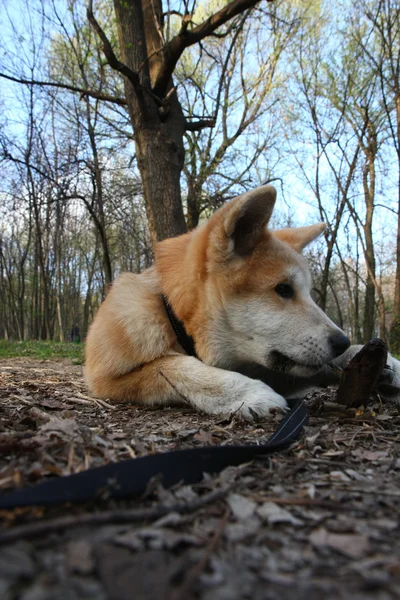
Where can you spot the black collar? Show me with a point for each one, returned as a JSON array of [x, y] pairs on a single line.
[[185, 340]]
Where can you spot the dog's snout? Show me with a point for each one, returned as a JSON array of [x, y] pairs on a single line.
[[339, 342]]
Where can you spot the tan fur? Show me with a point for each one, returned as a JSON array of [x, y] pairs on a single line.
[[209, 276]]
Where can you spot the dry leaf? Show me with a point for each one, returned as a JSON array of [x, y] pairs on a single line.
[[79, 557], [236, 532], [339, 476], [204, 437], [349, 544], [272, 513], [156, 539], [369, 454], [241, 507], [64, 426]]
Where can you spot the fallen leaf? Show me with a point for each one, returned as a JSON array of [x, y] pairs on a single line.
[[53, 404], [241, 507], [186, 493], [369, 454], [38, 414], [236, 532], [148, 573], [354, 475], [339, 476], [333, 453], [65, 426], [384, 417], [310, 440], [185, 433], [79, 557], [272, 513], [156, 539], [172, 518], [204, 437], [351, 545]]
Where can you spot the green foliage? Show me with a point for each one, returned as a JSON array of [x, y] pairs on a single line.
[[394, 337], [42, 350]]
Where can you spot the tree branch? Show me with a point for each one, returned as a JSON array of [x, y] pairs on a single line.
[[200, 124], [174, 49], [112, 60], [65, 86]]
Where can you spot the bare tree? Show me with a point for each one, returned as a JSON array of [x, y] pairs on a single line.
[[232, 79], [149, 56], [380, 43]]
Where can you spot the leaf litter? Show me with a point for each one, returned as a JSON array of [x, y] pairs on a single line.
[[319, 520]]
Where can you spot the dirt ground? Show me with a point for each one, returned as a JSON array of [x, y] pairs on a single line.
[[317, 521]]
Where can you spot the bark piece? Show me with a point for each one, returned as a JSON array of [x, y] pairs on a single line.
[[360, 378]]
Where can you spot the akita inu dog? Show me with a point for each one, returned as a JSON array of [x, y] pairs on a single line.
[[243, 293]]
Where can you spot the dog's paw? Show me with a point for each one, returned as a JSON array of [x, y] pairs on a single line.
[[257, 401]]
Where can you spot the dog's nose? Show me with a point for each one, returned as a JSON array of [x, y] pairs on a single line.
[[340, 343]]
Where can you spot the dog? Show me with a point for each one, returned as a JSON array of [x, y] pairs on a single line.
[[243, 294]]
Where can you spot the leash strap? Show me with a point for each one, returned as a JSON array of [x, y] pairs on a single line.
[[129, 478]]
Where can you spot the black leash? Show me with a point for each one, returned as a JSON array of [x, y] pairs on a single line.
[[130, 478]]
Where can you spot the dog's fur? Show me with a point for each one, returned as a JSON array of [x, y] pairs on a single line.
[[221, 280]]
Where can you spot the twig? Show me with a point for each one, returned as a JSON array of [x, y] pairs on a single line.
[[36, 529], [183, 593], [76, 400], [300, 502], [375, 492], [64, 86], [82, 399], [20, 399], [104, 404]]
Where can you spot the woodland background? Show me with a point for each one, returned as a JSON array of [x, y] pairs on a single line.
[[124, 123]]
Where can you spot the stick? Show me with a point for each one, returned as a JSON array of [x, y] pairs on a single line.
[[301, 502], [32, 530]]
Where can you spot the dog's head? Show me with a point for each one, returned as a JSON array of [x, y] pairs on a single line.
[[244, 291]]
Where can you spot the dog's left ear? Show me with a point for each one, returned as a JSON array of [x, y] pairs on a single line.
[[300, 237], [247, 216]]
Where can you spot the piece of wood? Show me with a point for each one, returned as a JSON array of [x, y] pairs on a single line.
[[359, 379], [39, 528]]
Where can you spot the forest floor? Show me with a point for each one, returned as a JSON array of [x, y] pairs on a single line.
[[319, 520]]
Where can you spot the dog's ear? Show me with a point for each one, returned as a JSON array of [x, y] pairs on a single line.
[[246, 217], [300, 237]]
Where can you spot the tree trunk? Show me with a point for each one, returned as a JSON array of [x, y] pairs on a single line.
[[369, 299], [396, 305], [382, 315], [160, 161], [193, 208], [158, 124]]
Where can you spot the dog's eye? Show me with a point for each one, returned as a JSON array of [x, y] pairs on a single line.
[[284, 290]]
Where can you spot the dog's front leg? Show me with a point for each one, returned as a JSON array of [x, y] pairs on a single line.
[[184, 379]]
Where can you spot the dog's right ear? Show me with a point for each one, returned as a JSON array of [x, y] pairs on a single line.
[[245, 218]]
